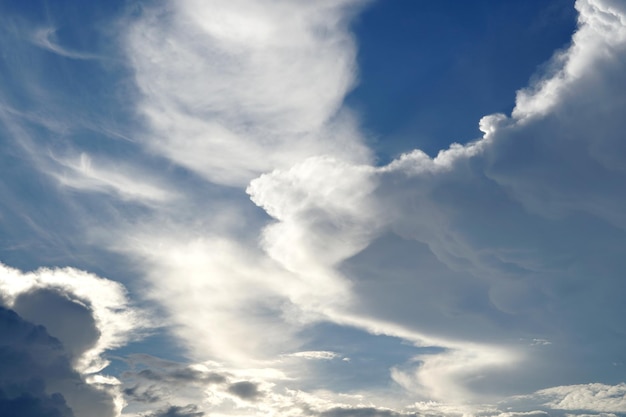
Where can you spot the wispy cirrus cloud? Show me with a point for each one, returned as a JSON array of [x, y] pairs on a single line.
[[45, 38]]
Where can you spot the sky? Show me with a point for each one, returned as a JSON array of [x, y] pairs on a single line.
[[330, 208]]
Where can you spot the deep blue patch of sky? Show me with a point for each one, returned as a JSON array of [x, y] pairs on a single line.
[[429, 70]]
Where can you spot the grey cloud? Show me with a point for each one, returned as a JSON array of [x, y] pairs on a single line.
[[150, 375], [187, 374], [536, 413], [36, 403], [72, 323], [363, 412], [138, 393], [174, 372], [178, 411], [245, 390], [32, 363], [158, 382]]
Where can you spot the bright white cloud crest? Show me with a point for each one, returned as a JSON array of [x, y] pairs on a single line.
[[496, 265]]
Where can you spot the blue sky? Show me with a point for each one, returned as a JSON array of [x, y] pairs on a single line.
[[330, 208], [460, 59]]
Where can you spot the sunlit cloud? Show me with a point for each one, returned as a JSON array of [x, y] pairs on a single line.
[[258, 226]]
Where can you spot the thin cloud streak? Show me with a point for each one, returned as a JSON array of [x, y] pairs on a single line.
[[44, 38]]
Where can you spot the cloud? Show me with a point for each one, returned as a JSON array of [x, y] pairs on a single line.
[[245, 390], [45, 38], [479, 250], [83, 173], [71, 322], [474, 259], [161, 370], [234, 89], [157, 383], [37, 377], [28, 405], [361, 412], [177, 411], [99, 306], [523, 414], [586, 397], [316, 354], [91, 315]]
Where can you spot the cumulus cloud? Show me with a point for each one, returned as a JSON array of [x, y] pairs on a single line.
[[586, 397], [91, 315], [37, 377], [482, 244], [99, 306], [45, 38]]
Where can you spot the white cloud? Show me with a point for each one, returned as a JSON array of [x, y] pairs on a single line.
[[586, 397], [483, 243], [118, 179], [316, 354], [223, 298], [45, 38], [232, 89]]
